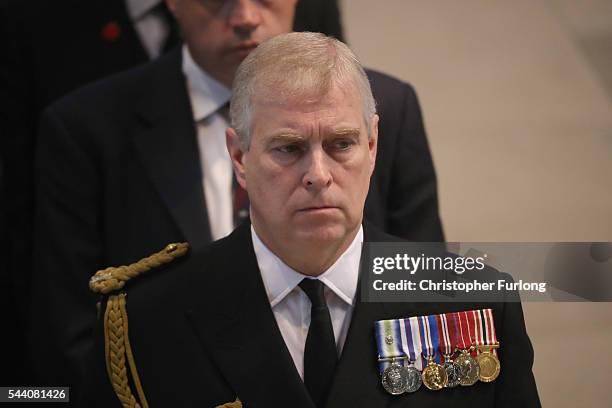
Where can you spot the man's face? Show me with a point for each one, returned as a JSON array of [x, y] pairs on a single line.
[[308, 168], [221, 33]]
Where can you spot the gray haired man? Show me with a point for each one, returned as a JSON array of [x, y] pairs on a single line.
[[270, 316]]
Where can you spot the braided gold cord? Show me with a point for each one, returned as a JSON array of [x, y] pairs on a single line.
[[235, 404], [112, 279], [114, 348], [130, 356], [116, 340]]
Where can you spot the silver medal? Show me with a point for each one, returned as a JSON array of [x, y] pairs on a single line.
[[395, 379], [413, 379], [453, 374]]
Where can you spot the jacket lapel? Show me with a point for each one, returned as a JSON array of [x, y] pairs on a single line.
[[242, 336], [357, 382], [165, 139]]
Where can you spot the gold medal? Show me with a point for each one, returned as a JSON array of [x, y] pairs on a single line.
[[434, 376], [488, 363], [469, 368]]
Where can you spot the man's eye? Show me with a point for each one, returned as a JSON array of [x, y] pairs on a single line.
[[343, 144], [213, 5], [288, 149]]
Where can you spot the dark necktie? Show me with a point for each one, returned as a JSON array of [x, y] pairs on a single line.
[[174, 35], [320, 355]]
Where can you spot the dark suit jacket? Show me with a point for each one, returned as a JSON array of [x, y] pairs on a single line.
[[203, 333], [119, 176], [319, 15], [48, 49]]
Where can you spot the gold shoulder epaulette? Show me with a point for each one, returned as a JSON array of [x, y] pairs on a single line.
[[112, 279], [117, 347]]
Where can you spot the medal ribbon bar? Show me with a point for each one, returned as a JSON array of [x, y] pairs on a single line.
[[464, 331], [446, 348], [453, 330], [489, 336], [415, 335], [408, 340], [388, 339]]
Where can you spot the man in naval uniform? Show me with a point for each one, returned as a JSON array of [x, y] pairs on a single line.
[[271, 315], [137, 160]]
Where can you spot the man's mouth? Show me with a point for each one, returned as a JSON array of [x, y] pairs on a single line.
[[245, 48], [318, 209]]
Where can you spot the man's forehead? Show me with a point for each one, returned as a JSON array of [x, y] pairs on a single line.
[[276, 118], [289, 112], [287, 94], [292, 108]]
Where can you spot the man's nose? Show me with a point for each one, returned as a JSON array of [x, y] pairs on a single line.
[[245, 17], [317, 175]]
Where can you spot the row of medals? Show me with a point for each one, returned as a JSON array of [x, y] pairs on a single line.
[[462, 370]]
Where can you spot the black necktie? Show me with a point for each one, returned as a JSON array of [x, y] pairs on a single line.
[[174, 37], [320, 355]]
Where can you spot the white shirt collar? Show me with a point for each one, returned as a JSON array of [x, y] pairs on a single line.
[[279, 279], [138, 8], [207, 94]]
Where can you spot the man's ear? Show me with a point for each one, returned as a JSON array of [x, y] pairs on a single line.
[[237, 156], [373, 142]]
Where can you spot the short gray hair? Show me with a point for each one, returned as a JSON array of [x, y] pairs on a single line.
[[296, 65]]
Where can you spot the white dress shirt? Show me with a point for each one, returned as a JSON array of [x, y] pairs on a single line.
[[291, 306], [207, 96], [151, 27]]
